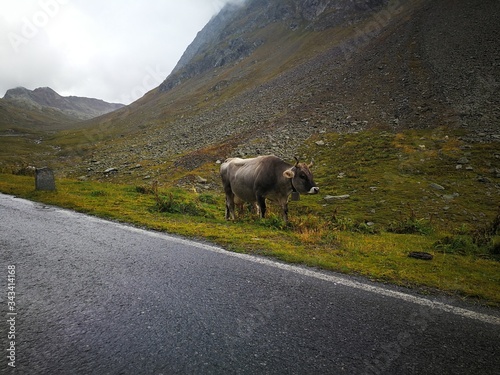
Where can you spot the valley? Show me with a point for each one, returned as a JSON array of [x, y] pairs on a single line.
[[397, 103]]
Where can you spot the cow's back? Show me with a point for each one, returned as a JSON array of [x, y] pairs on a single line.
[[246, 176], [265, 177]]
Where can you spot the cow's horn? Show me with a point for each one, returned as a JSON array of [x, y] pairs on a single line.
[[312, 163], [297, 160]]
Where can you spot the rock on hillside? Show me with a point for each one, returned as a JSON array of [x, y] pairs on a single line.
[[73, 106]]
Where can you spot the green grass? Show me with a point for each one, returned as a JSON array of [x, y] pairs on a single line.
[[390, 177]]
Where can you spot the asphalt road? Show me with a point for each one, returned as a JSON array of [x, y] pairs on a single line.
[[97, 297]]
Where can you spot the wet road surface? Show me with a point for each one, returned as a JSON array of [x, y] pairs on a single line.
[[97, 297]]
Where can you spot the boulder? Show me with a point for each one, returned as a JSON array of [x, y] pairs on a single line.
[[336, 197], [44, 179]]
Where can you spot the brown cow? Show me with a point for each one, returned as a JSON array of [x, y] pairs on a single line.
[[253, 180]]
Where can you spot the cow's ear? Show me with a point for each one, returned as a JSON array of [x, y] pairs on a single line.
[[289, 173]]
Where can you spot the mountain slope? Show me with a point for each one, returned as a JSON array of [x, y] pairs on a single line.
[[234, 33], [264, 77], [22, 118]]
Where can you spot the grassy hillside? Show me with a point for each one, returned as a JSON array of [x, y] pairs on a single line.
[[24, 119]]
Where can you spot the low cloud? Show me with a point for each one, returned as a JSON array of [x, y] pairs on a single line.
[[111, 50]]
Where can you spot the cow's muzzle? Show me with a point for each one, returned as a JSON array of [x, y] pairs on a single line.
[[314, 190]]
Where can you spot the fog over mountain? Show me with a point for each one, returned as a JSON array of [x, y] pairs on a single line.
[[111, 50]]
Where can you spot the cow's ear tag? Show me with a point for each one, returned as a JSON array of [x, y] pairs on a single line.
[[295, 196]]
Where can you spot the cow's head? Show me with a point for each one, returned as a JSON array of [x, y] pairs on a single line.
[[301, 178]]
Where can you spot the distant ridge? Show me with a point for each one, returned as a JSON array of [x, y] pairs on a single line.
[[78, 108]]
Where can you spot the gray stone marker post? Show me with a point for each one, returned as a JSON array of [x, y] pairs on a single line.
[[44, 179]]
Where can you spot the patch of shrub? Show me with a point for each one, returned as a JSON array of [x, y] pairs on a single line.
[[330, 239], [143, 190], [98, 193], [484, 236], [174, 204], [411, 225], [24, 171], [348, 225], [495, 248], [207, 198], [273, 221], [153, 189], [167, 204], [458, 244], [307, 224], [466, 245], [483, 241]]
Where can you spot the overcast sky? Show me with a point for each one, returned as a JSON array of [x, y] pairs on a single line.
[[115, 50]]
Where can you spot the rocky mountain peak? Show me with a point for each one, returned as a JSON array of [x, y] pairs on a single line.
[[16, 93], [233, 34]]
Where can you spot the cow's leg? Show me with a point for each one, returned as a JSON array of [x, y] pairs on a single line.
[[285, 212], [261, 204], [284, 207], [229, 206], [255, 208]]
